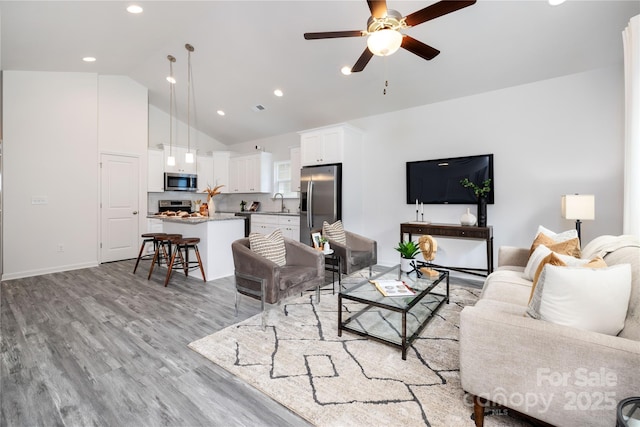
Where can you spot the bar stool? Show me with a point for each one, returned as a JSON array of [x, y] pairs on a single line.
[[163, 243], [148, 238], [185, 244]]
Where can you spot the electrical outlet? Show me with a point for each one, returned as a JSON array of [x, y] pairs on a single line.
[[39, 200], [60, 247]]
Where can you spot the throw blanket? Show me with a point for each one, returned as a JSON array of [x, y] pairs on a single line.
[[602, 245]]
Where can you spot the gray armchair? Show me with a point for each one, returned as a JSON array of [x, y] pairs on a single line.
[[263, 279], [358, 253]]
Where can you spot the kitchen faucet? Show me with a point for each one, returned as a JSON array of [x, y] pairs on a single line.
[[275, 196]]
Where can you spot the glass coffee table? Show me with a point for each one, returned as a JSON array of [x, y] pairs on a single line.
[[394, 320]]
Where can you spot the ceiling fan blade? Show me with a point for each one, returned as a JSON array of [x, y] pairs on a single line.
[[333, 34], [378, 8], [362, 61], [436, 10], [417, 47]]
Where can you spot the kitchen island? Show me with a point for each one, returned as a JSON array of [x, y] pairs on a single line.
[[216, 234]]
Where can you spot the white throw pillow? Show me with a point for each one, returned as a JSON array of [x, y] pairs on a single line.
[[584, 298], [541, 253], [558, 237], [334, 232], [270, 246]]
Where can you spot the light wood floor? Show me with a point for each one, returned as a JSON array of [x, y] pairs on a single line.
[[104, 347]]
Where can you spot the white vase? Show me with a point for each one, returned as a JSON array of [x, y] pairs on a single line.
[[212, 207], [468, 218], [405, 265], [326, 247]]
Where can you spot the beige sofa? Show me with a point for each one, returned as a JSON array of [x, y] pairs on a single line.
[[554, 373]]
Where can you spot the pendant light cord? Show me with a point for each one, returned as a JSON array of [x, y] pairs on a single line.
[[171, 102], [189, 50]]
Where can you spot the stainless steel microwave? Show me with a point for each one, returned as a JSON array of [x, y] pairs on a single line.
[[180, 182]]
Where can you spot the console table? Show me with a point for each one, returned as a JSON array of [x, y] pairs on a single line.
[[453, 231]]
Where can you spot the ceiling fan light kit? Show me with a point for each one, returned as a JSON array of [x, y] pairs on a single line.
[[384, 42], [383, 29]]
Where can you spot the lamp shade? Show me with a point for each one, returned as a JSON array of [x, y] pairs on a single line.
[[578, 206], [384, 42]]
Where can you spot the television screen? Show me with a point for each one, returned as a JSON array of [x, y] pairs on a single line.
[[438, 181]]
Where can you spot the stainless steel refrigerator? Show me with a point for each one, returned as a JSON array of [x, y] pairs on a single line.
[[320, 198]]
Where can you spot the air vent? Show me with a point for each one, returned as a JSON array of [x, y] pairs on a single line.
[[258, 107]]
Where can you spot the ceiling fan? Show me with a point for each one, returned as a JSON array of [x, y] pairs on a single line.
[[383, 29]]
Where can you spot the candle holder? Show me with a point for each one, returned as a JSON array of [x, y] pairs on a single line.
[[416, 214], [422, 215]]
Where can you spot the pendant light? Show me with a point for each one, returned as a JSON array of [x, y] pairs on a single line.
[[171, 160], [189, 155]]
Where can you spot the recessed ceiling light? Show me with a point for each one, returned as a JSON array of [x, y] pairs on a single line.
[[346, 70], [220, 112], [556, 2], [134, 8], [278, 92], [171, 80], [89, 59]]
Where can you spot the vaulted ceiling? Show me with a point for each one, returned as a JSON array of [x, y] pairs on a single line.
[[246, 49]]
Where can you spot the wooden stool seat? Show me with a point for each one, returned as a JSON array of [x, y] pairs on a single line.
[[148, 238], [185, 243], [163, 241]]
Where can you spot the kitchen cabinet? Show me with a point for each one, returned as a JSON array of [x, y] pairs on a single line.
[[294, 154], [204, 165], [322, 146], [181, 165], [221, 170], [266, 224], [251, 173], [155, 171], [340, 143]]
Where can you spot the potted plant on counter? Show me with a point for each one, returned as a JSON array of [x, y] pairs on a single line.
[[408, 251]]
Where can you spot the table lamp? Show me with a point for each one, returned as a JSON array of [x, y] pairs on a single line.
[[579, 207]]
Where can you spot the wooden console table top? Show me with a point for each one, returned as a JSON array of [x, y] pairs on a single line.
[[454, 231]]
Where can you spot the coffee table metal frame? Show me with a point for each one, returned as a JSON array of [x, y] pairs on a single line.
[[401, 305]]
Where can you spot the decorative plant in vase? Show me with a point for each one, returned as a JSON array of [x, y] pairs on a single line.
[[408, 251], [210, 194], [324, 243], [481, 193]]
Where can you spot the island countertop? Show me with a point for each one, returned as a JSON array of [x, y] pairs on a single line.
[[197, 219]]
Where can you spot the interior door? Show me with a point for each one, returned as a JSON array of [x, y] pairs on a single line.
[[119, 207]]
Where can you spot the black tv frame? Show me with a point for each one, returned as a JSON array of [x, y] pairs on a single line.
[[464, 169]]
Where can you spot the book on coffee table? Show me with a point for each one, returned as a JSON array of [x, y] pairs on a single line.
[[393, 288]]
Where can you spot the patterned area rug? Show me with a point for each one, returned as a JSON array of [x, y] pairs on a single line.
[[300, 361]]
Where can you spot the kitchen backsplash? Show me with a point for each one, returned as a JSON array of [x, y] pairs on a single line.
[[225, 202]]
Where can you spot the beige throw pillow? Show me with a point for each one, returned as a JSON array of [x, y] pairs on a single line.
[[334, 232], [270, 246], [583, 298], [567, 247]]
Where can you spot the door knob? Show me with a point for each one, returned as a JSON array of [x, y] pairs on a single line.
[[135, 212]]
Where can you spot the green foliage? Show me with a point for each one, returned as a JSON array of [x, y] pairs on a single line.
[[477, 190], [408, 250]]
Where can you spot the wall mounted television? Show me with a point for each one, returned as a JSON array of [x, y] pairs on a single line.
[[438, 181]]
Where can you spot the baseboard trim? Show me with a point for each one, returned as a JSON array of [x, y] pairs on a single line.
[[41, 271]]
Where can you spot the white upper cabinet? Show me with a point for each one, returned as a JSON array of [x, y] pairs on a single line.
[[204, 166], [251, 173], [221, 170], [181, 165], [294, 154], [155, 171], [323, 146]]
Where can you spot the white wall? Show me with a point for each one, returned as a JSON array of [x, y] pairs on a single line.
[[123, 127], [50, 150], [159, 134], [549, 138]]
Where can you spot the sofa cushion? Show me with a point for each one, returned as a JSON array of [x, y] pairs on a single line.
[[270, 246], [508, 286], [583, 298], [334, 232], [558, 237], [541, 253], [630, 255]]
